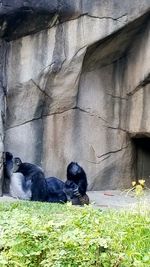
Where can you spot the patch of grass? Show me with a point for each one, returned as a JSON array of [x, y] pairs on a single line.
[[43, 234]]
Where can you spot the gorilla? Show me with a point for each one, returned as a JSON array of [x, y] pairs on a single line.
[[28, 182], [76, 184], [14, 183], [8, 166], [32, 179], [41, 188], [76, 174]]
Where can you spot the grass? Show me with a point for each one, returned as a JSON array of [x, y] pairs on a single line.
[[53, 235]]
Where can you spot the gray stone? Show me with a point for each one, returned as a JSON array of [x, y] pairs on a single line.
[[139, 112], [78, 78], [3, 47], [25, 141], [30, 101]]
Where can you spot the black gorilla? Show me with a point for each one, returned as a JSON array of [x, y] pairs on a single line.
[[16, 184], [8, 166], [76, 184], [27, 181], [76, 174], [42, 189], [34, 179]]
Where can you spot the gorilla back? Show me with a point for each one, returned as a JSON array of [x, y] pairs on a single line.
[[56, 192]]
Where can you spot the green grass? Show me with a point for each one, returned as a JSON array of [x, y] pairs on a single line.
[[43, 234]]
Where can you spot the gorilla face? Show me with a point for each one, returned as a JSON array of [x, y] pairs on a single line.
[[16, 164], [71, 189]]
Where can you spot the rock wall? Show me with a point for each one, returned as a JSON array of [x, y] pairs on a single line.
[[3, 51], [77, 82]]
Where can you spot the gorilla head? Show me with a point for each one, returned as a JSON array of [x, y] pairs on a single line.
[[16, 164], [73, 171]]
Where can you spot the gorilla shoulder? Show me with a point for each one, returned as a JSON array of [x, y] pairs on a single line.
[[27, 169]]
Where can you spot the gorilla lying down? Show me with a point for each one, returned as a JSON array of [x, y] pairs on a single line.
[[28, 182]]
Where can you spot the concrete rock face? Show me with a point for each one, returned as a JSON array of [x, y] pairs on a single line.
[[75, 87]]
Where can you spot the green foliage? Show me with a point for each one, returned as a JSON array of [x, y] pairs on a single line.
[[45, 235]]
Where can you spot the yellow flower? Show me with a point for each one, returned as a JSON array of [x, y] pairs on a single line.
[[141, 182], [133, 183]]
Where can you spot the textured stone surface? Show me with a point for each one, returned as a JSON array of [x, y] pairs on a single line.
[[3, 47], [21, 17], [78, 86], [139, 112], [138, 84]]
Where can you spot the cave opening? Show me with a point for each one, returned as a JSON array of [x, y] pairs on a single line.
[[142, 162]]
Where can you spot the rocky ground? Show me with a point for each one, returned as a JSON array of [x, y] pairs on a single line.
[[108, 199], [117, 199]]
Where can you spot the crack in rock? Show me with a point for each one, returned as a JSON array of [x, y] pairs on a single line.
[[80, 49], [39, 118], [38, 87], [115, 128], [54, 113], [94, 162], [114, 19], [115, 96], [112, 152], [63, 111], [141, 85], [97, 17], [108, 155], [91, 114]]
